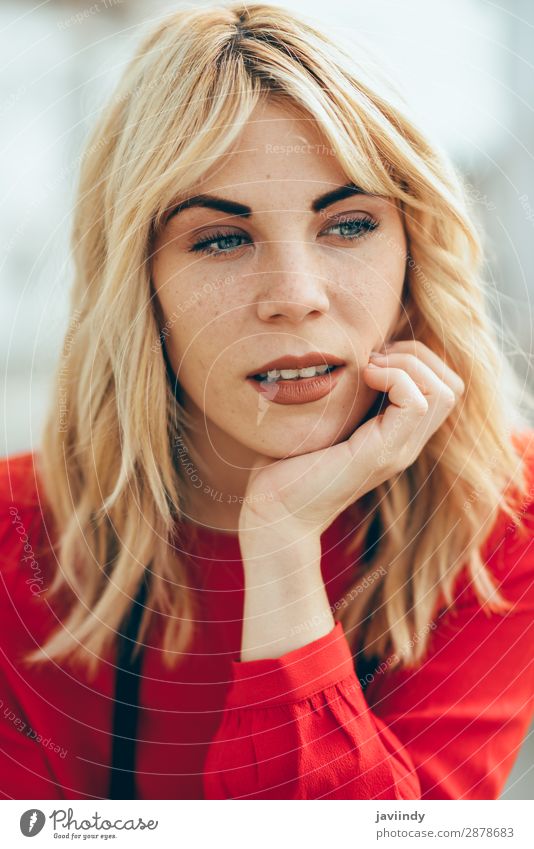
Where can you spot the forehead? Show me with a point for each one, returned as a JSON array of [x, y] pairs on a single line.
[[277, 150]]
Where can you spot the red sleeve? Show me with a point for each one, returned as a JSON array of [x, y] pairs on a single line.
[[298, 727], [25, 771], [464, 713]]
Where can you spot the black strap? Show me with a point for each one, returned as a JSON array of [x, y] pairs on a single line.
[[126, 705], [366, 667]]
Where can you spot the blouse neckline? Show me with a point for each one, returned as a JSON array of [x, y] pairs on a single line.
[[226, 541]]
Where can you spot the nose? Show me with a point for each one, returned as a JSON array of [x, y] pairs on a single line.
[[292, 292]]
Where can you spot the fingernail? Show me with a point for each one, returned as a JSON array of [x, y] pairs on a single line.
[[377, 355], [372, 365]]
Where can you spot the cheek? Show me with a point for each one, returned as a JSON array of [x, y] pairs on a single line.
[[372, 290], [197, 320], [200, 341], [196, 313]]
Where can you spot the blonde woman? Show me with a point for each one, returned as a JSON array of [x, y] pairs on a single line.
[[252, 559]]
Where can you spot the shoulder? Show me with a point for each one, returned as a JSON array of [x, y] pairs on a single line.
[[17, 478], [525, 445], [24, 545], [523, 442], [522, 528], [20, 500], [509, 549]]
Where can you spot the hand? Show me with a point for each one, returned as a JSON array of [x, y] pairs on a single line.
[[308, 492]]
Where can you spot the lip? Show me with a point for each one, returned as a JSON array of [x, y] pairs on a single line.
[[316, 358], [298, 391]]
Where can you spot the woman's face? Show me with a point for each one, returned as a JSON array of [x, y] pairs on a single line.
[[239, 289]]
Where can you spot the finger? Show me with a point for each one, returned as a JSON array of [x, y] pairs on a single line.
[[426, 379], [401, 389], [337, 471], [342, 472], [351, 467], [420, 402], [431, 359]]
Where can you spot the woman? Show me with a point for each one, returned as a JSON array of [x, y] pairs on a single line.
[[251, 559]]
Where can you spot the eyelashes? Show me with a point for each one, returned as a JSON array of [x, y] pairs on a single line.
[[203, 245], [358, 228]]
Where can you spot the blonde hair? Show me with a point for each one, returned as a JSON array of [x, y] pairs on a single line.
[[109, 474]]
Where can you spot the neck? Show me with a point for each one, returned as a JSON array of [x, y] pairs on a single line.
[[215, 470]]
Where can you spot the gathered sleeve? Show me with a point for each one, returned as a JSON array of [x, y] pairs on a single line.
[[24, 770], [465, 711], [298, 727]]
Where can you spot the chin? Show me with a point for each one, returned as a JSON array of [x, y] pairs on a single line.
[[306, 445]]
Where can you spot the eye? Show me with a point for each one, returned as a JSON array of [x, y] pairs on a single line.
[[354, 228], [204, 245]]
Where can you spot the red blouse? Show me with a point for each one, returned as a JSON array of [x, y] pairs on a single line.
[[307, 725]]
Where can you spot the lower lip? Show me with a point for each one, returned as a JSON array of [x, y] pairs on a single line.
[[300, 391]]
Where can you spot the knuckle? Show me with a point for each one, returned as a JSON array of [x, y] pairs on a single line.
[[419, 347], [420, 407], [449, 398], [412, 359]]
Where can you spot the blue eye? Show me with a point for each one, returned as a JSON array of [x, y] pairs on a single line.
[[353, 228], [356, 227], [203, 245]]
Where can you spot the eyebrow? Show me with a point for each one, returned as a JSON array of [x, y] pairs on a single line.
[[241, 209]]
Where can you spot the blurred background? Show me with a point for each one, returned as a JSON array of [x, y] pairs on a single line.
[[465, 65]]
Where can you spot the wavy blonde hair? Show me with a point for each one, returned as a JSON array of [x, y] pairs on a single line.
[[109, 474]]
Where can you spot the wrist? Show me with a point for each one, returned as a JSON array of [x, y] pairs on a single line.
[[259, 532], [275, 552], [285, 604]]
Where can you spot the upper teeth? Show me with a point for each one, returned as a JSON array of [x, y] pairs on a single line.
[[291, 373]]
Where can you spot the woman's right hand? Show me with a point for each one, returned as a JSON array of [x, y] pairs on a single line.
[[308, 492]]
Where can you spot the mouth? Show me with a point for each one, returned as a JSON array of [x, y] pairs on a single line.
[[313, 365], [293, 375], [295, 388]]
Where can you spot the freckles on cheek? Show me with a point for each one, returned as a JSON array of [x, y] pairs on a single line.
[[361, 299], [202, 331], [206, 323], [379, 279], [371, 303]]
